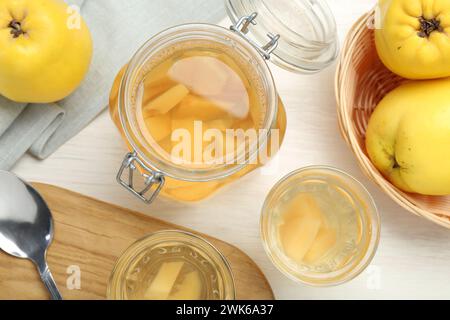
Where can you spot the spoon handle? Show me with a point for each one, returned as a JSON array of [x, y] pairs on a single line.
[[48, 280]]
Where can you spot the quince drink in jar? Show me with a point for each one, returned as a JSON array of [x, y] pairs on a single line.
[[171, 265], [198, 107]]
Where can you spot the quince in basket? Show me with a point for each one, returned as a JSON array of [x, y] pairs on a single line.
[[45, 50], [413, 37], [408, 137]]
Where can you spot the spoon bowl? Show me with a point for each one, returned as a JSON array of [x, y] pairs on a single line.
[[26, 226]]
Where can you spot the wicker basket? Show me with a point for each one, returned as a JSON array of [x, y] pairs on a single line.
[[361, 82]]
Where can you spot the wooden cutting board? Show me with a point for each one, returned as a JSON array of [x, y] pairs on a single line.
[[92, 235]]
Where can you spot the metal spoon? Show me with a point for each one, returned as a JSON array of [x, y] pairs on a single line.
[[26, 226]]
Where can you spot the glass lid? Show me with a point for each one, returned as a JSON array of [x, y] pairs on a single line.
[[308, 35]]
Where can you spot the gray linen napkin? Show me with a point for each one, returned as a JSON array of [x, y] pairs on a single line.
[[119, 28]]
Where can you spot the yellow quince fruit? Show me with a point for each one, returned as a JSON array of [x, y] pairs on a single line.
[[45, 50], [413, 37], [408, 137]]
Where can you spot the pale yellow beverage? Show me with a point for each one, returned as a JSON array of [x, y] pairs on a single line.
[[171, 265], [201, 87], [320, 226], [180, 275]]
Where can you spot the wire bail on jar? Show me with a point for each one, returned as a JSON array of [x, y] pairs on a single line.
[[153, 181], [242, 28]]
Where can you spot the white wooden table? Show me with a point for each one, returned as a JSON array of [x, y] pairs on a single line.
[[413, 260]]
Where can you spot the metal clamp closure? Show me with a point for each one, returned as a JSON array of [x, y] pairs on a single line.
[[153, 180], [242, 27]]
